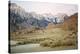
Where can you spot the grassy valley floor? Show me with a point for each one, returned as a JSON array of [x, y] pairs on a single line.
[[49, 40]]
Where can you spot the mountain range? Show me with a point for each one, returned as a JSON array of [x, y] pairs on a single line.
[[20, 19]]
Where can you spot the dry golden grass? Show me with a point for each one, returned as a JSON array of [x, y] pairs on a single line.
[[50, 38]]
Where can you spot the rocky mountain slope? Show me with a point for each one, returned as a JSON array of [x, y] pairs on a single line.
[[20, 19]]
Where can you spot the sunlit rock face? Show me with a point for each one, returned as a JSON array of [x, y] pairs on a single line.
[[61, 17]]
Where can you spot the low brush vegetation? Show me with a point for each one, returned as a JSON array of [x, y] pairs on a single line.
[[51, 39], [65, 41]]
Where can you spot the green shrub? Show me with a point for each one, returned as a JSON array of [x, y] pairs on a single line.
[[46, 43], [68, 42], [20, 43], [55, 43]]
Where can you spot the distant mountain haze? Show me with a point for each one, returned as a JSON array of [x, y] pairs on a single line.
[[20, 19]]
